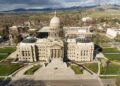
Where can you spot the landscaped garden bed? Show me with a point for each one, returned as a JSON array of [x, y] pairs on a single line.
[[32, 70], [76, 69], [8, 68], [92, 66]]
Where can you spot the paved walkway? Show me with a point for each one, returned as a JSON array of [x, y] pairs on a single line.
[[20, 74], [12, 55], [55, 70]]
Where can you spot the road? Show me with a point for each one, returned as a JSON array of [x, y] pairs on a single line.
[[108, 82]]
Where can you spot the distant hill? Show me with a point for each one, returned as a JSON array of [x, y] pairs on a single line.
[[105, 7], [100, 7], [49, 9]]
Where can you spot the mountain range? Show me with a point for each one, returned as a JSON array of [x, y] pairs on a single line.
[[96, 7]]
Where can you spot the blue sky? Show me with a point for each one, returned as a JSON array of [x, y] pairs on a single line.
[[14, 4]]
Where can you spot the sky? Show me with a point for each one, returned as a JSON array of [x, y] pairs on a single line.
[[39, 4]]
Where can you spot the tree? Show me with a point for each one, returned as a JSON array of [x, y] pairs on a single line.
[[5, 32], [17, 39]]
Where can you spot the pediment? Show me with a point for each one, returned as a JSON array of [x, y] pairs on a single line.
[[56, 46]]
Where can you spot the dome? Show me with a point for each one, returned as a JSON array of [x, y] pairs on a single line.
[[55, 21]]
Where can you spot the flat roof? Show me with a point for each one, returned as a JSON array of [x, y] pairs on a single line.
[[45, 29]]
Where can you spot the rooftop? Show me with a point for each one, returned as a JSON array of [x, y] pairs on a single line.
[[45, 29], [79, 40], [29, 40]]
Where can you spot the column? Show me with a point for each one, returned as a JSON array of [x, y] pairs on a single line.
[[53, 53], [50, 54], [57, 53], [60, 53]]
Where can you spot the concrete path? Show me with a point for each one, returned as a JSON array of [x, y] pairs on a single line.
[[12, 55], [20, 74], [55, 70]]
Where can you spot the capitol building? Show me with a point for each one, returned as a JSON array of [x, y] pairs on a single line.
[[57, 42]]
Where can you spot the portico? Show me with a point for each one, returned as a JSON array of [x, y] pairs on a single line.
[[56, 51]]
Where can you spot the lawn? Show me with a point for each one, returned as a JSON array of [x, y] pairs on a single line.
[[3, 56], [32, 70], [113, 57], [110, 50], [108, 77], [4, 52], [117, 40], [76, 69], [105, 45], [110, 69], [7, 69], [92, 66], [7, 50]]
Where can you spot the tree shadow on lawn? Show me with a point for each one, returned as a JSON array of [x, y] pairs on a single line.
[[97, 50]]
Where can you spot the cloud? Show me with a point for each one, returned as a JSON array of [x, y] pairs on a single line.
[[14, 4], [110, 2]]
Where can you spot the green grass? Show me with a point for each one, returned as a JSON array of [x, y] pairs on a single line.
[[105, 45], [3, 56], [7, 69], [117, 40], [110, 50], [76, 69], [32, 70], [110, 69], [108, 77], [113, 57], [4, 52], [92, 66], [7, 50]]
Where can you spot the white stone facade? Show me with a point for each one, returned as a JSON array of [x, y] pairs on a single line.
[[112, 33], [78, 51], [77, 31], [56, 45]]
